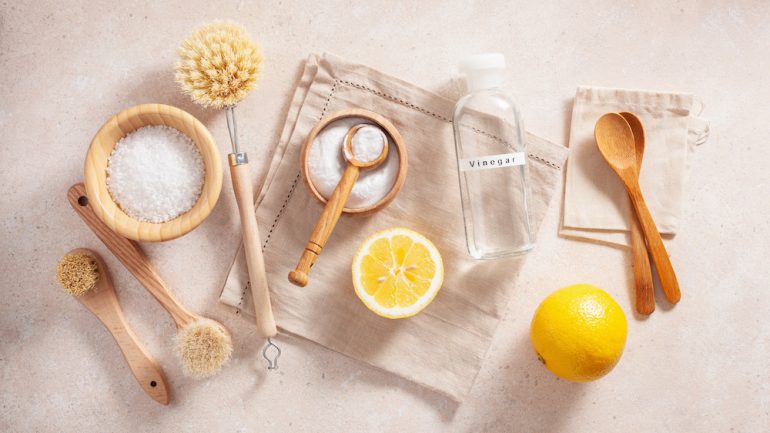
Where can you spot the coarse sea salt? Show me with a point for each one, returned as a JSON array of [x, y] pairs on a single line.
[[155, 174], [326, 163]]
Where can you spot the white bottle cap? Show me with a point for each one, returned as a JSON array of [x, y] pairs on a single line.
[[483, 71]]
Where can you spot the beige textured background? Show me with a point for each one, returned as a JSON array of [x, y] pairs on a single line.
[[703, 366]]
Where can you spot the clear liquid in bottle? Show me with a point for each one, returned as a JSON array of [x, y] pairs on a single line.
[[492, 163]]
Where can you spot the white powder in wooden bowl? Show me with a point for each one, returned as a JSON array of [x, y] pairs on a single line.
[[368, 143], [326, 163], [155, 174]]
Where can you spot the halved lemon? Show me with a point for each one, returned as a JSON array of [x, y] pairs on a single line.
[[397, 272]]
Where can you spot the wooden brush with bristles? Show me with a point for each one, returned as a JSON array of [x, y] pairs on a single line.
[[218, 65], [82, 274], [203, 345]]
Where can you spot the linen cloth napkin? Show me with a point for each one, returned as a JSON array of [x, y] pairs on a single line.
[[596, 205], [441, 348]]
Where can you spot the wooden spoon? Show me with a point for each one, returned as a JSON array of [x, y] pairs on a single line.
[[333, 210], [645, 292], [103, 303], [616, 143]]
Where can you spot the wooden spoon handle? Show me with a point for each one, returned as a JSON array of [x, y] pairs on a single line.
[[252, 248], [324, 226], [103, 303], [645, 293], [668, 280], [130, 255]]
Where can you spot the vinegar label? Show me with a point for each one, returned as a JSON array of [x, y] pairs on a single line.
[[493, 161]]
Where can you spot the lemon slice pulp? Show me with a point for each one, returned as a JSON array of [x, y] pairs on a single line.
[[397, 272]]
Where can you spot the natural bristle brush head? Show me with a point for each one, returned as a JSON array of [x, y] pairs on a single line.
[[218, 64], [77, 273], [203, 347]]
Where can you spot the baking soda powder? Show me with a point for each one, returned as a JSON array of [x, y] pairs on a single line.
[[326, 162]]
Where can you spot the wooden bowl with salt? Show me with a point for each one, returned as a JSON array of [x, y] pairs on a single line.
[[97, 160]]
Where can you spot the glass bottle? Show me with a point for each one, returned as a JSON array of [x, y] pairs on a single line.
[[491, 163]]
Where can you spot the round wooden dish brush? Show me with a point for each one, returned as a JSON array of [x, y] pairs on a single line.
[[218, 65]]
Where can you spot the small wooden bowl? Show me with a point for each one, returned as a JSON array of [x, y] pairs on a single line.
[[99, 152], [376, 119]]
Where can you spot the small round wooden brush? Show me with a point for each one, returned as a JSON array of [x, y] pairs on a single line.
[[84, 275], [218, 65]]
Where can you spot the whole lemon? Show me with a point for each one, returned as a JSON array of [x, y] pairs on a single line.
[[579, 332]]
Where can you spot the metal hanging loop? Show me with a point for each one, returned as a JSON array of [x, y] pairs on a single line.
[[272, 364]]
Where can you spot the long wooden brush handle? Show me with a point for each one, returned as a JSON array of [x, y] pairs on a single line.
[[130, 255], [668, 281], [645, 292], [324, 226], [103, 303], [252, 248]]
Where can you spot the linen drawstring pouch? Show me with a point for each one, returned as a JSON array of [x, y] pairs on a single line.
[[596, 205], [442, 347]]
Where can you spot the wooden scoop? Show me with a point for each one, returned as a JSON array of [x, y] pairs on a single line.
[[616, 143], [645, 292], [333, 210]]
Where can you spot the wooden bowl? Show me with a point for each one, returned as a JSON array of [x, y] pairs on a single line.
[[376, 119], [99, 152]]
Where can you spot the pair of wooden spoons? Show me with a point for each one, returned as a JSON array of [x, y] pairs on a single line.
[[620, 138]]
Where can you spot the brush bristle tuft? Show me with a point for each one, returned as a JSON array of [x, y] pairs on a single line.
[[218, 64], [77, 273], [203, 347]]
